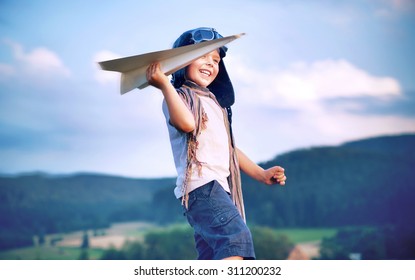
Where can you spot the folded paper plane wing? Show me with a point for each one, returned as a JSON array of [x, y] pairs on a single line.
[[133, 68]]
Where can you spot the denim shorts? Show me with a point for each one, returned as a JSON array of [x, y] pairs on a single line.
[[220, 231]]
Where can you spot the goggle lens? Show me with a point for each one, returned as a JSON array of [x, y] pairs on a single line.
[[204, 34]]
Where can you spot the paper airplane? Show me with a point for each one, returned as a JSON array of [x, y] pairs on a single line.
[[133, 68]]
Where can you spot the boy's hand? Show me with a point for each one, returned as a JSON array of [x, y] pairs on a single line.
[[275, 175], [156, 77]]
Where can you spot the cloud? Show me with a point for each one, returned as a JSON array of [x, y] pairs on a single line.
[[393, 8], [263, 134], [105, 77], [331, 79], [6, 71], [402, 5], [39, 63], [325, 102], [317, 81]]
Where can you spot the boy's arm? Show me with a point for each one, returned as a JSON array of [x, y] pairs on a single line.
[[180, 115], [273, 175]]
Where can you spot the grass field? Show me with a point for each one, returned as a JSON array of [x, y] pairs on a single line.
[[70, 251], [301, 235], [49, 253]]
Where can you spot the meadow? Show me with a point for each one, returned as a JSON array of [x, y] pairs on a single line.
[[69, 247]]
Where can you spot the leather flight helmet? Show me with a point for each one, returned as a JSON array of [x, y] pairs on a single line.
[[221, 87]]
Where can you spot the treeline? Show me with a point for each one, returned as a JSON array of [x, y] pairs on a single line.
[[369, 182], [361, 183], [39, 204], [373, 243], [368, 243], [177, 243]]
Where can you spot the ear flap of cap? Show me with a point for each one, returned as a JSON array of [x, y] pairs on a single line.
[[222, 87]]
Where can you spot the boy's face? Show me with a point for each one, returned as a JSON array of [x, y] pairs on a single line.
[[204, 70]]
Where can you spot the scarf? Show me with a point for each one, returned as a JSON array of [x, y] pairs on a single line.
[[190, 92]]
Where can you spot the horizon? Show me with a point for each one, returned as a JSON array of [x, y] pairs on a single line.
[[92, 173]]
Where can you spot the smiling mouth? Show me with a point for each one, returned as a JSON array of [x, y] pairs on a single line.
[[205, 72]]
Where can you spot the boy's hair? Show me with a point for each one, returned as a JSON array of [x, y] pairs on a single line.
[[221, 87]]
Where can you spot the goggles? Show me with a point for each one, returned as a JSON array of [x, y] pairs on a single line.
[[205, 34]]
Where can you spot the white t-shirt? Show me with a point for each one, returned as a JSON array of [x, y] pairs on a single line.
[[212, 151]]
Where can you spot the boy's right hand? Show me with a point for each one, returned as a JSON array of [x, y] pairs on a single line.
[[156, 77]]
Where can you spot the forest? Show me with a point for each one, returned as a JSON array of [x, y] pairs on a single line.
[[369, 182]]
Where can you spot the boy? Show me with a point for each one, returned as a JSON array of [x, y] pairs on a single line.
[[197, 110]]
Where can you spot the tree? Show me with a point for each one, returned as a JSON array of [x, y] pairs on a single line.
[[113, 254], [84, 254], [173, 244], [269, 245], [85, 240], [134, 251], [368, 243]]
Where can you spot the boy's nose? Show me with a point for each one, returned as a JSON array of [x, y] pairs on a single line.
[[209, 61]]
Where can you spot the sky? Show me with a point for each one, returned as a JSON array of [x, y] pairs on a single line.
[[306, 74]]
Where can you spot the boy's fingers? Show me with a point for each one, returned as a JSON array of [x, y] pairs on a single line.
[[279, 174], [279, 178]]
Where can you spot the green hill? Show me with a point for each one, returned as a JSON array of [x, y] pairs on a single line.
[[40, 203], [367, 182]]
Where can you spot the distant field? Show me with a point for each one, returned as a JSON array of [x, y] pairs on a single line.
[[301, 235], [49, 253], [69, 249]]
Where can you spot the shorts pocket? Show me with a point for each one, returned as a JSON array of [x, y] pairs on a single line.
[[224, 210], [224, 217]]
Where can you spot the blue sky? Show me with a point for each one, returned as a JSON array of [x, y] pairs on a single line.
[[307, 73]]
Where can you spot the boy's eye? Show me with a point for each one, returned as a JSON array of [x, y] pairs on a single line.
[[214, 59]]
